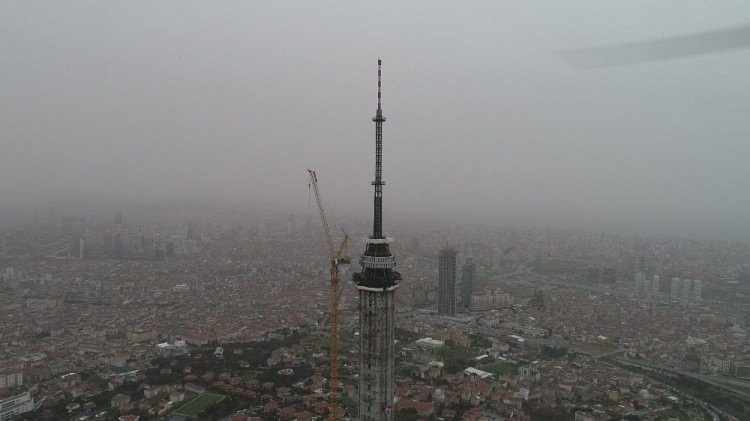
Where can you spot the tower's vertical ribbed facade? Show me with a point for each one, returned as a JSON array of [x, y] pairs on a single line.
[[376, 285]]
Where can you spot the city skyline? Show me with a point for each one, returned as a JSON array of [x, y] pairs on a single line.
[[229, 288]]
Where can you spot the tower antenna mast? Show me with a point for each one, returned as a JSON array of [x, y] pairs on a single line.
[[377, 231]]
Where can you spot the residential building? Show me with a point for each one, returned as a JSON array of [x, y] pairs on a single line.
[[15, 405]]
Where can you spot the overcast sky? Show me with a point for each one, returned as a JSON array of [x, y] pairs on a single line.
[[487, 121]]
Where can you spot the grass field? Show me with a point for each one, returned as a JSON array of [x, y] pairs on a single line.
[[500, 368], [593, 349], [198, 404]]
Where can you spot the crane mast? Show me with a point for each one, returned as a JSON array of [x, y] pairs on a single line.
[[338, 256]]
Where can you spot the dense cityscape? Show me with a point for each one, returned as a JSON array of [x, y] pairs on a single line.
[[107, 316]]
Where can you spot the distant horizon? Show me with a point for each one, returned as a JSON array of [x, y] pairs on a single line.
[[100, 206]]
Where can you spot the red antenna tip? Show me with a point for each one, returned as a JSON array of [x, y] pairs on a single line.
[[379, 62]]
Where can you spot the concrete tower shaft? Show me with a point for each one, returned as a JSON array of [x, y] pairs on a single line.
[[376, 284]]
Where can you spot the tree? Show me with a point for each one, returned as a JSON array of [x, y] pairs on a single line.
[[406, 414]]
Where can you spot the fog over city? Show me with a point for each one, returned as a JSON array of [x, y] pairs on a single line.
[[491, 115], [195, 222]]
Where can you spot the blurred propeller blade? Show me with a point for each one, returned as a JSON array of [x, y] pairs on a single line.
[[696, 44]]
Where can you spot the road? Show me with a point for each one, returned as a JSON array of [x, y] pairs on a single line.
[[701, 377]]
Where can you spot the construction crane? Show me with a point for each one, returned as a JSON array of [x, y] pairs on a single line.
[[338, 256]]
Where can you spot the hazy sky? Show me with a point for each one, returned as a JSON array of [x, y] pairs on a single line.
[[487, 121]]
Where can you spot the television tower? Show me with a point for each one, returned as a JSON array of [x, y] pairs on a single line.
[[376, 285]]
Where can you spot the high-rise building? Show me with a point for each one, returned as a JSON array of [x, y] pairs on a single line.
[[639, 287], [692, 289], [655, 285], [697, 294], [308, 226], [685, 290], [640, 264], [81, 248], [290, 225], [675, 288], [468, 275], [376, 285], [447, 269]]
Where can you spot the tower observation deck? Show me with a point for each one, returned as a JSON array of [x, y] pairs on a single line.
[[376, 285]]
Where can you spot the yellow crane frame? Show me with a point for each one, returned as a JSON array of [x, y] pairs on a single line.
[[338, 256]]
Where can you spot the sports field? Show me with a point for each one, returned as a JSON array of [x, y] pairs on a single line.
[[198, 404]]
